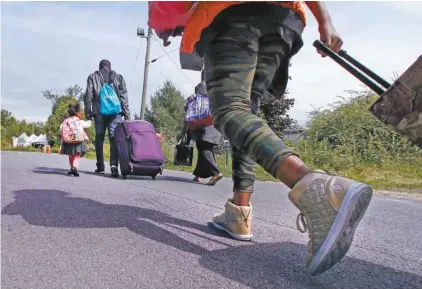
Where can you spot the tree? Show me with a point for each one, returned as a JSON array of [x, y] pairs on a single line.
[[11, 127], [76, 92], [294, 126], [72, 94], [166, 111], [72, 91], [52, 126], [274, 111], [5, 117], [48, 94]]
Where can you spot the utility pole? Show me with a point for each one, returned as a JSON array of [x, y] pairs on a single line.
[[145, 84]]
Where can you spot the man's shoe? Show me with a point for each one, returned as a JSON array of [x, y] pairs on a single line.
[[235, 221], [331, 209], [114, 172], [99, 171]]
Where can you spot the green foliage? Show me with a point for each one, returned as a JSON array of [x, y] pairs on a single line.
[[166, 110], [52, 126], [274, 112], [346, 139], [72, 94], [347, 134], [23, 149], [11, 127], [73, 91]]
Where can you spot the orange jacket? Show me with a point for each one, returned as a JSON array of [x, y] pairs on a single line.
[[206, 11]]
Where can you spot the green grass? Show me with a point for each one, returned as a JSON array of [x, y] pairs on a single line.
[[385, 176], [224, 168]]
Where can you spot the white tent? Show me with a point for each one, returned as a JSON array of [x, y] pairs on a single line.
[[41, 139], [23, 140], [32, 138]]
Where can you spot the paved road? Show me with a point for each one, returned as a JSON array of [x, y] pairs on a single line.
[[98, 232]]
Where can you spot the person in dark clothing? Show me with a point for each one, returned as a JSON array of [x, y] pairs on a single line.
[[206, 139], [102, 122]]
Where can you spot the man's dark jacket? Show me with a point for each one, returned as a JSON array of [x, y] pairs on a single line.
[[95, 82]]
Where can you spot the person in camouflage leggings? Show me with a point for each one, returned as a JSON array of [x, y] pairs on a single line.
[[235, 100], [241, 62]]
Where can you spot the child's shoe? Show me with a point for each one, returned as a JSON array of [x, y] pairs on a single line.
[[331, 208], [75, 172], [235, 221]]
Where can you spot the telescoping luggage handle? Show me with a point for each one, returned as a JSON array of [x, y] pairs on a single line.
[[363, 75]]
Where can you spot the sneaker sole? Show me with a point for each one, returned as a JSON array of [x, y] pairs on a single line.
[[234, 236], [340, 236]]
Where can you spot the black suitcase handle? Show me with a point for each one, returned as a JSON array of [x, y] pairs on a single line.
[[364, 75]]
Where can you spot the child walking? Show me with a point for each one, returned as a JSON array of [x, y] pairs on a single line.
[[247, 47], [74, 137]]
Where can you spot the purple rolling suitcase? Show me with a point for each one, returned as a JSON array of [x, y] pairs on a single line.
[[139, 149]]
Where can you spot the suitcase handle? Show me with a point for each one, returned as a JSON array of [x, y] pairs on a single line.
[[364, 75]]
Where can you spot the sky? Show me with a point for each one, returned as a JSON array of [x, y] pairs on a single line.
[[52, 45]]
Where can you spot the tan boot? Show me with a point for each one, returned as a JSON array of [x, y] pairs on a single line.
[[235, 221], [331, 209]]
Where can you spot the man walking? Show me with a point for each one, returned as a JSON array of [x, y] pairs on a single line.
[[106, 100]]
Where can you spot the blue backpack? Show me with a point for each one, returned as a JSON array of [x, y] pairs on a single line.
[[109, 101]]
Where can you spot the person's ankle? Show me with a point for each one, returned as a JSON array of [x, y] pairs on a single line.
[[292, 170], [241, 199]]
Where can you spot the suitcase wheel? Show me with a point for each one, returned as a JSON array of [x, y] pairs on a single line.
[[124, 177], [153, 177]]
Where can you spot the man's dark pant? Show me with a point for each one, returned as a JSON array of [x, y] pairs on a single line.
[[101, 123]]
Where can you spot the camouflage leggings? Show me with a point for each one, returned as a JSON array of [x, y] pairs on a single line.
[[240, 64]]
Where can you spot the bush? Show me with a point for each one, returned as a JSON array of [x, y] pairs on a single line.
[[347, 135]]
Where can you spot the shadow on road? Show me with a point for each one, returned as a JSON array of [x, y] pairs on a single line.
[[282, 265], [62, 171], [267, 265], [52, 208]]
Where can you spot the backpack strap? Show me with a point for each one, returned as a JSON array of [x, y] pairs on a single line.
[[101, 76]]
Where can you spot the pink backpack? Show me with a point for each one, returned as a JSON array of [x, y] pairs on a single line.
[[72, 130]]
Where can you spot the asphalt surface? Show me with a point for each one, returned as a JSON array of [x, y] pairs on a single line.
[[98, 232]]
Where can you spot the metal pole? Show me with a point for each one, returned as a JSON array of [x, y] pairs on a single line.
[[144, 89]]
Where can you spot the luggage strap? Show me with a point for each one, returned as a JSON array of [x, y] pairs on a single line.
[[365, 74]]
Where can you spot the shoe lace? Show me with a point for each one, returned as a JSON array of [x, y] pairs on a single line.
[[301, 219]]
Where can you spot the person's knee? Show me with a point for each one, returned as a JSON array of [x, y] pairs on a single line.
[[99, 136]]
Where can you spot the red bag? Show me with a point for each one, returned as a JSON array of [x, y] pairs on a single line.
[[168, 15]]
